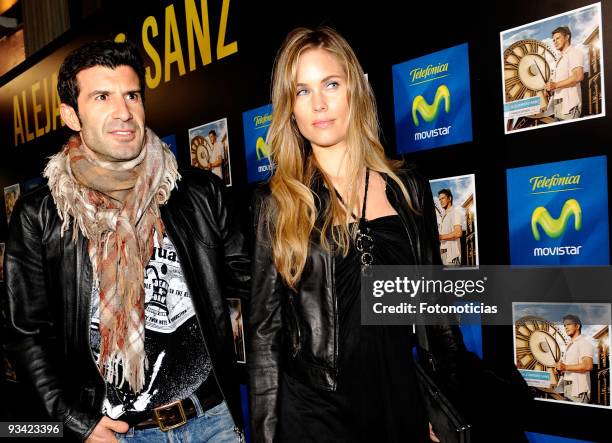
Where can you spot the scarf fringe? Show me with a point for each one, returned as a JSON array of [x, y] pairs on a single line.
[[119, 370]]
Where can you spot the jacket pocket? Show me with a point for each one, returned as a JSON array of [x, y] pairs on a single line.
[[202, 234]]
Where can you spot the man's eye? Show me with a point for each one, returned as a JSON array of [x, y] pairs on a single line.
[[101, 97], [133, 96]]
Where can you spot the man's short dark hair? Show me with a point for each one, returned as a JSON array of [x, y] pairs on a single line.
[[98, 53], [213, 132], [574, 319], [563, 30], [446, 192]]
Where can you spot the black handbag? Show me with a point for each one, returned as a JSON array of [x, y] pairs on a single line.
[[447, 422]]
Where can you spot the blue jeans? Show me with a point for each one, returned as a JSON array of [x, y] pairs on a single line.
[[213, 426]]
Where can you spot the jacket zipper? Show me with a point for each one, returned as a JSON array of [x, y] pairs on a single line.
[[297, 345], [335, 303]]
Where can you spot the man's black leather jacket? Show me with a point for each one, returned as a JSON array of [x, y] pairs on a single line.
[[49, 279], [296, 332]]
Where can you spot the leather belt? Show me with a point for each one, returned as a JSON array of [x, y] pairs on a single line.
[[169, 416]]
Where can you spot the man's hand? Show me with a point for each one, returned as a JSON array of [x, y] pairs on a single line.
[[551, 86], [104, 432], [560, 366]]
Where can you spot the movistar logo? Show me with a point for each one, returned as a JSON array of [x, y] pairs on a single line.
[[430, 112], [555, 227], [261, 149]]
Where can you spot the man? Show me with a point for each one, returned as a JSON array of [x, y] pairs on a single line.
[[577, 362], [566, 77], [116, 276], [449, 229], [216, 154]]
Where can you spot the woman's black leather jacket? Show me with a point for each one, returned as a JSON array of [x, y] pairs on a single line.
[[296, 332]]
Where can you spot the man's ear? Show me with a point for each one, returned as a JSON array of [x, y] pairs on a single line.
[[70, 117]]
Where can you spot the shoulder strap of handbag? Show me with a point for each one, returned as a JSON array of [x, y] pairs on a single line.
[[422, 339], [423, 342]]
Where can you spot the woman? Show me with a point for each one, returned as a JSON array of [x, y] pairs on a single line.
[[335, 204]]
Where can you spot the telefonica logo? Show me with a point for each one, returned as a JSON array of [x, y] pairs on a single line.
[[421, 73], [261, 120], [261, 150], [555, 227], [430, 112], [545, 182]]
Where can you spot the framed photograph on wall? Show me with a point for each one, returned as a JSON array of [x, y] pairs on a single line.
[[456, 214], [563, 350], [552, 70], [209, 149], [235, 313], [11, 194]]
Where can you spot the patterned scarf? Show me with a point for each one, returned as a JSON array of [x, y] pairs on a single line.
[[116, 207]]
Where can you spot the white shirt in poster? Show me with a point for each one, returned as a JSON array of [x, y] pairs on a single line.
[[574, 353], [451, 218], [216, 152], [570, 58]]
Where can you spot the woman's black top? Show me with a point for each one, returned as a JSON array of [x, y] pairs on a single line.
[[377, 399]]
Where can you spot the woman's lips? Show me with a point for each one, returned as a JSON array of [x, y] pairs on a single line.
[[323, 123]]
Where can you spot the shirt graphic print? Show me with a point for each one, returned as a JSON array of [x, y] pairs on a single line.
[[177, 359]]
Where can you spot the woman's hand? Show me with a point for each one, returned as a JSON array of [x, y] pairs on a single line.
[[432, 435]]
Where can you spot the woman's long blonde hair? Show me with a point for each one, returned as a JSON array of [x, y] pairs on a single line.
[[293, 212]]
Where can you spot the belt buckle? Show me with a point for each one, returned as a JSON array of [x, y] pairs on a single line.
[[160, 419]]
